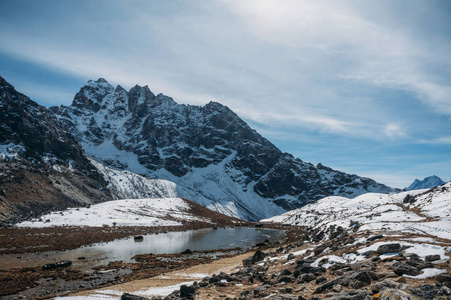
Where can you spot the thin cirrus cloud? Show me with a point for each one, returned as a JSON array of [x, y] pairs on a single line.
[[381, 55], [367, 71]]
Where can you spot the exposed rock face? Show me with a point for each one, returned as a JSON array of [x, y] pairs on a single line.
[[42, 167], [208, 149]]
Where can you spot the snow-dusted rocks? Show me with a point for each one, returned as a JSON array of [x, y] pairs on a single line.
[[208, 150], [427, 211]]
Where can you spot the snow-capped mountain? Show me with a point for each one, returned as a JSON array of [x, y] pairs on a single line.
[[42, 167], [426, 183], [418, 211], [207, 150]]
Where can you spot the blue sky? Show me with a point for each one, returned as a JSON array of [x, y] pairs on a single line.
[[360, 86]]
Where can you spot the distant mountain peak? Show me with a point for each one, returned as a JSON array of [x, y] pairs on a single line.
[[426, 183]]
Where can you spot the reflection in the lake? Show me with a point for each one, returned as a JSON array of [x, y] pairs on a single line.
[[166, 243]]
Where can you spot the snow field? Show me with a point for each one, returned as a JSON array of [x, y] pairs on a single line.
[[128, 212]]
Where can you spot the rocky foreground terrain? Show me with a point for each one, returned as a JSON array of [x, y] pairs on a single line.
[[374, 246], [346, 266]]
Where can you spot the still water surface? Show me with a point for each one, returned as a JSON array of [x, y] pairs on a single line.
[[164, 243]]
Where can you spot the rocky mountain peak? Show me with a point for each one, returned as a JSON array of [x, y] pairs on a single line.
[[140, 99], [208, 149], [93, 95]]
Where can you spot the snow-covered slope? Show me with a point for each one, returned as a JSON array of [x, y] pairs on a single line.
[[126, 212], [427, 183], [208, 150], [128, 185], [419, 211]]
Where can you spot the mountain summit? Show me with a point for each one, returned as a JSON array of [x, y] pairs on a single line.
[[427, 183], [207, 150]]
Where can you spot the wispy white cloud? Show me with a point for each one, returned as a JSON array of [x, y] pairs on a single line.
[[394, 130], [446, 140], [365, 72]]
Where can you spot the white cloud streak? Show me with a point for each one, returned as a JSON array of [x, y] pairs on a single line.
[[307, 64]]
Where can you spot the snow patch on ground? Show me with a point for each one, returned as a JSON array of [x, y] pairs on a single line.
[[428, 272], [10, 151], [128, 212]]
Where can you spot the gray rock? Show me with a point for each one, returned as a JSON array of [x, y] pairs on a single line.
[[307, 268], [187, 251], [424, 265], [401, 269], [355, 280], [443, 277], [286, 279], [306, 278], [285, 297], [187, 292], [61, 264], [428, 291], [378, 286], [247, 262], [318, 250], [258, 256], [373, 238], [285, 272], [127, 296], [432, 257], [415, 261], [395, 294], [363, 265], [388, 248]]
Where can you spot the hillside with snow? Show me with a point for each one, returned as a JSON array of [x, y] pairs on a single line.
[[128, 212], [420, 212]]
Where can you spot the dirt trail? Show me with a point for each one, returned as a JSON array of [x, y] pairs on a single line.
[[195, 273]]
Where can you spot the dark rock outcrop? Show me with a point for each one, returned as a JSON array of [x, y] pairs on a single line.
[[42, 166]]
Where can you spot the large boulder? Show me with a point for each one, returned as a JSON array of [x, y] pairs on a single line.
[[388, 248], [401, 269]]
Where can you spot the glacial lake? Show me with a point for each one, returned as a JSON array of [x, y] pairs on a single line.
[[163, 243]]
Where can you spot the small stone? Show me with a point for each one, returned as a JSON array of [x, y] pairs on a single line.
[[320, 280], [306, 278], [187, 292], [318, 250], [127, 296], [258, 256], [432, 257], [337, 288]]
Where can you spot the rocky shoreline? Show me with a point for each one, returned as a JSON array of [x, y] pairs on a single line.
[[41, 282], [336, 269], [330, 264]]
